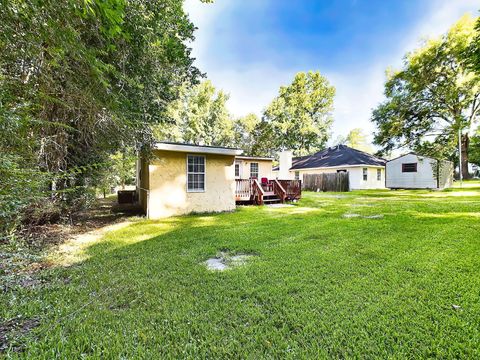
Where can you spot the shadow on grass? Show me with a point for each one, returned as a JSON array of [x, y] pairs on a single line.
[[321, 284]]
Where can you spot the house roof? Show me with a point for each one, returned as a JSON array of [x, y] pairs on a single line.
[[201, 149], [340, 155], [254, 158]]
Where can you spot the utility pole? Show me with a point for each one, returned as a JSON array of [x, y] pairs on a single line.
[[460, 155]]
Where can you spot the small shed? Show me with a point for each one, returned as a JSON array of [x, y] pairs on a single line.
[[183, 178], [413, 171]]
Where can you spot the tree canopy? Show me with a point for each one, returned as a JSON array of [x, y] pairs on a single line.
[[433, 96], [356, 139], [78, 80], [299, 118], [200, 116]]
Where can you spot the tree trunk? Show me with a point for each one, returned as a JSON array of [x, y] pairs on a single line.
[[464, 149]]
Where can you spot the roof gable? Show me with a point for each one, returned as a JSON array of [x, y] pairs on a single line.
[[340, 155]]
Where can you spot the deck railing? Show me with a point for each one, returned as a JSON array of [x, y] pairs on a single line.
[[252, 191], [293, 188], [279, 190], [257, 192], [243, 190]]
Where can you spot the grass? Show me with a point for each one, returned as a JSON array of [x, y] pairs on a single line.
[[321, 285]]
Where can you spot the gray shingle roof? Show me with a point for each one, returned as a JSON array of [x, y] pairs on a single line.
[[339, 155]]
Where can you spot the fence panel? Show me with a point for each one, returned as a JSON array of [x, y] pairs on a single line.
[[326, 182]]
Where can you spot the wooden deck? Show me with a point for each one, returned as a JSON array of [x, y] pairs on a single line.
[[253, 192]]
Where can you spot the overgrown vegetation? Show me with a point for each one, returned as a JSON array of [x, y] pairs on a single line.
[[80, 81], [401, 279]]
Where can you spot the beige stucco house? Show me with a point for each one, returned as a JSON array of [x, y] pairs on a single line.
[[180, 179], [253, 167]]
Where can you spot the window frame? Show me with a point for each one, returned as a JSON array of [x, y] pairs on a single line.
[[404, 166], [365, 174], [297, 175], [379, 174], [237, 166], [258, 170], [197, 173]]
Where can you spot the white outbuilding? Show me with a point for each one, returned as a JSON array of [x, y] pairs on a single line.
[[413, 171]]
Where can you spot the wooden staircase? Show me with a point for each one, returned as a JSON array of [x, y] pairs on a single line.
[[269, 197], [270, 192]]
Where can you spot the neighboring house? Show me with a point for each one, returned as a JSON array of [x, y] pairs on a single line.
[[365, 171], [412, 171], [253, 167], [180, 179]]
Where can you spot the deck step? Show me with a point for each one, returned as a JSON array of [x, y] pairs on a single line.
[[271, 200], [268, 193]]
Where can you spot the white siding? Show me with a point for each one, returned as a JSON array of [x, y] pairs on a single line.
[[355, 176], [423, 178]]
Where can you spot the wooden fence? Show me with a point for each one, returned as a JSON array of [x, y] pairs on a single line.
[[326, 182]]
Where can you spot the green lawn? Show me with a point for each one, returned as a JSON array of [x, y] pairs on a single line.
[[321, 285]]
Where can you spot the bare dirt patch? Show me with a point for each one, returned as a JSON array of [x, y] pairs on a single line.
[[12, 330], [225, 261]]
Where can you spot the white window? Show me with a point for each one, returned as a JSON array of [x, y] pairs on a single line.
[[195, 173], [237, 170], [379, 174], [254, 170], [365, 174], [297, 175]]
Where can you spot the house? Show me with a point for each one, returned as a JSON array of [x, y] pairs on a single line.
[[413, 171], [182, 178], [365, 170], [253, 167]]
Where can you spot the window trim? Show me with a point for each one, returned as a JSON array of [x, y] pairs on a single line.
[[235, 170], [412, 171], [297, 175], [365, 174], [204, 174], [379, 174], [258, 170]]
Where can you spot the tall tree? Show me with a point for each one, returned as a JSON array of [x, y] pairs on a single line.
[[79, 78], [356, 139], [245, 132], [474, 150], [300, 116], [433, 96], [200, 116]]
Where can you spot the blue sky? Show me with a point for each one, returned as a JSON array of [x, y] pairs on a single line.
[[249, 48]]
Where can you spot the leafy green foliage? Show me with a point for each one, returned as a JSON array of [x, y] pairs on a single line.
[[431, 97], [199, 116], [299, 117], [356, 139], [246, 133], [474, 150], [79, 79]]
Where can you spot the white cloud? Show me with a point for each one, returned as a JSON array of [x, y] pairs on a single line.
[[358, 92]]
